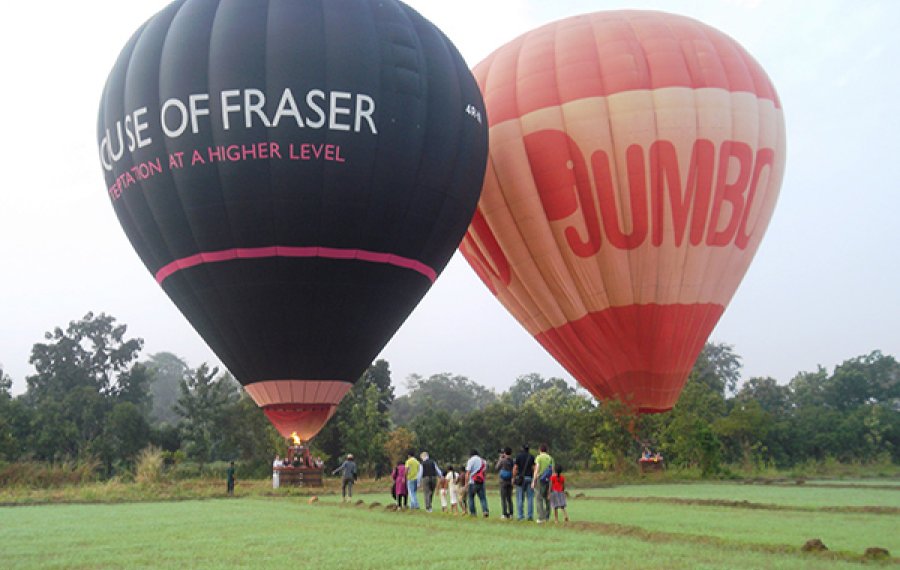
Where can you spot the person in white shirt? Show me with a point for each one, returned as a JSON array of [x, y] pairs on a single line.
[[450, 491], [276, 475], [475, 473]]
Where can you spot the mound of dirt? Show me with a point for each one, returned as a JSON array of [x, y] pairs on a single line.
[[814, 545], [375, 505], [359, 503], [876, 553]]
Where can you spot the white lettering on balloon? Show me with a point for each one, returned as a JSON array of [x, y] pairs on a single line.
[[342, 111]]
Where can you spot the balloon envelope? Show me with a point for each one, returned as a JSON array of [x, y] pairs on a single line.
[[295, 175], [635, 161]]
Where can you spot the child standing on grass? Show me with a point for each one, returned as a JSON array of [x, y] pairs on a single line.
[[558, 493], [398, 475], [461, 493], [451, 486], [442, 491]]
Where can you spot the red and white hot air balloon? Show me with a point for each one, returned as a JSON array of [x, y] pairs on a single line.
[[635, 161]]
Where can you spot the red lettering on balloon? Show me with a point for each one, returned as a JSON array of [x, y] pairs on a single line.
[[731, 193], [560, 174], [693, 197], [606, 196], [694, 207], [764, 157]]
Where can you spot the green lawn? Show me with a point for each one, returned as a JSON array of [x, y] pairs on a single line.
[[261, 532], [784, 495]]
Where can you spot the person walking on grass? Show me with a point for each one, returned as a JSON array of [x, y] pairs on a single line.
[[504, 469], [451, 486], [229, 479], [558, 493], [413, 477], [543, 469], [462, 491], [431, 474], [475, 471], [523, 475], [348, 477]]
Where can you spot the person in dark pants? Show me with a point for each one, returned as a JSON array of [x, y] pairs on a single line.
[[348, 477], [229, 475], [430, 475], [543, 469], [475, 469], [504, 468], [523, 475]]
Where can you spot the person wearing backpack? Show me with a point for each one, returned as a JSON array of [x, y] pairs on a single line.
[[523, 475], [504, 468], [543, 469], [475, 471]]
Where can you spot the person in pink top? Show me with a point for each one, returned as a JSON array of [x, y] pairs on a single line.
[[398, 475]]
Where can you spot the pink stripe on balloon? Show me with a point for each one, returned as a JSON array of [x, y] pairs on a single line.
[[287, 251]]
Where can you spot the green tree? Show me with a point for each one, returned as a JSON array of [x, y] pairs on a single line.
[[776, 401], [379, 375], [559, 407], [168, 372], [439, 433], [743, 432], [205, 405], [127, 432], [609, 428], [14, 421], [398, 442], [771, 396], [808, 388], [487, 430], [249, 433], [82, 372], [718, 367], [687, 438], [528, 384], [453, 393], [365, 427], [867, 379], [354, 420]]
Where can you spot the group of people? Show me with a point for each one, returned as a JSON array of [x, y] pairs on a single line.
[[647, 456], [525, 473], [301, 458]]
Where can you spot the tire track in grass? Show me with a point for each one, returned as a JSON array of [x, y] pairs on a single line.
[[869, 510], [642, 534]]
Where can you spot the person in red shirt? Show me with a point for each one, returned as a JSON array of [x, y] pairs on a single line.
[[558, 493]]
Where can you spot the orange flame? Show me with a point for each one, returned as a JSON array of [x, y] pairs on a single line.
[[296, 438]]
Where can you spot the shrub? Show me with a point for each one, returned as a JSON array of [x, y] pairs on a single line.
[[39, 475], [148, 467]]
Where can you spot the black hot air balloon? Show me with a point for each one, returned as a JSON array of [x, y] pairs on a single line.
[[295, 174]]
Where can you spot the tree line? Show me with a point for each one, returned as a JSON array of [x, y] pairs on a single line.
[[91, 396]]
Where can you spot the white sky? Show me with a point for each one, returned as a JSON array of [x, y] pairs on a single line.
[[823, 286]]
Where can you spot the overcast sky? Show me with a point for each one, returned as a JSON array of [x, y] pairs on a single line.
[[823, 286]]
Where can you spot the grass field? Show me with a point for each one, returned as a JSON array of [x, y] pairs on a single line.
[[638, 526]]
